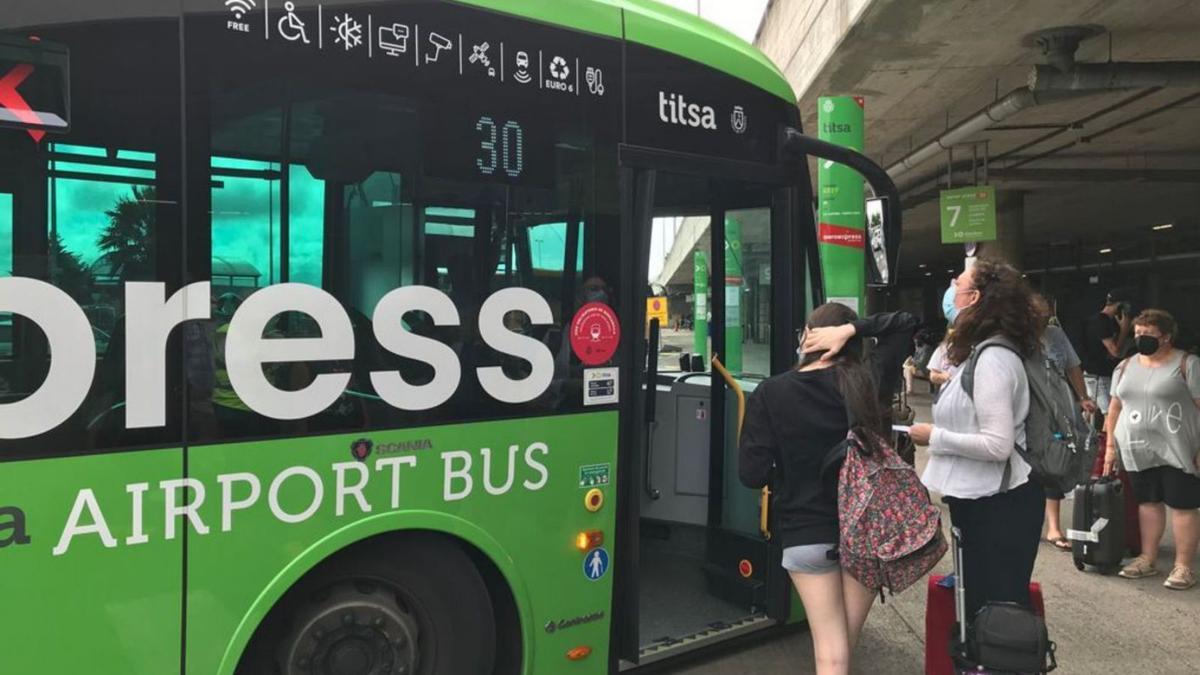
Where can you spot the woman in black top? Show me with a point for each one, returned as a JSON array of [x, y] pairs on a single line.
[[792, 422]]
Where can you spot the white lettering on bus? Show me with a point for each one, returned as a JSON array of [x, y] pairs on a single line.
[[246, 350], [228, 505], [447, 372], [72, 357], [342, 490], [463, 474], [537, 466], [189, 510], [458, 484], [86, 499], [273, 494], [491, 328], [674, 109], [487, 470], [395, 463], [145, 348], [137, 492], [150, 319]]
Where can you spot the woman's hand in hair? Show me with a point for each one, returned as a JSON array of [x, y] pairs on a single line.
[[830, 339], [920, 433]]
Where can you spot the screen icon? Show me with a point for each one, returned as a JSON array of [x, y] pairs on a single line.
[[440, 43], [522, 75], [393, 39]]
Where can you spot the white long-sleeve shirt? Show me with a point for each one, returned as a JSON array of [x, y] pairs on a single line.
[[973, 439]]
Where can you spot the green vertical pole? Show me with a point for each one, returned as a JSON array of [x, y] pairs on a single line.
[[841, 230], [700, 293], [733, 295]]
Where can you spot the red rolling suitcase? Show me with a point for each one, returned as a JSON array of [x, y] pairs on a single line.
[[940, 622], [1133, 531]]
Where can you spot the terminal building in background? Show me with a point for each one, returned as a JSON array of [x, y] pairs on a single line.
[[1083, 117]]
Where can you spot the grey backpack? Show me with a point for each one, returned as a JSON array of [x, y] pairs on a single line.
[[1058, 443]]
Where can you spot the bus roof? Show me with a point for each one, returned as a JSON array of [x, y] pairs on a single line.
[[655, 24]]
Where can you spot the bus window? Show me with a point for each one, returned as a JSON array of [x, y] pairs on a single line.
[[89, 211], [344, 181], [6, 263], [748, 290]]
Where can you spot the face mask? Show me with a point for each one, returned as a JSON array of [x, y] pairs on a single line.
[[948, 308], [596, 296], [1147, 344]]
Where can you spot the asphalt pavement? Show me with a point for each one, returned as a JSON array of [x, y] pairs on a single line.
[[1102, 624]]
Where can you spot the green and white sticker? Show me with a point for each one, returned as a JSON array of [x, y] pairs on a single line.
[[593, 475]]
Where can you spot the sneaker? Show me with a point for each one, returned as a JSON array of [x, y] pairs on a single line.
[[1138, 569], [1181, 578]]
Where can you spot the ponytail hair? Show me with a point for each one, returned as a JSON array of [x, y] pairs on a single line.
[[854, 379]]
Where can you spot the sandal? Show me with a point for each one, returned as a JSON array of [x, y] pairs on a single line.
[[1061, 543], [1181, 579], [1138, 569]]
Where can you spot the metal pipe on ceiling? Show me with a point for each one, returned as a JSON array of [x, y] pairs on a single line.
[[1049, 84], [1092, 77]]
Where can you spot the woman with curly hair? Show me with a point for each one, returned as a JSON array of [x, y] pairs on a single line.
[[973, 463]]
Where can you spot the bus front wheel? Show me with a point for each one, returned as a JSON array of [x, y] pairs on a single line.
[[413, 605]]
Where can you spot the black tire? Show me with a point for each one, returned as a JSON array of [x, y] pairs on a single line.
[[434, 586], [1079, 565], [1109, 570]]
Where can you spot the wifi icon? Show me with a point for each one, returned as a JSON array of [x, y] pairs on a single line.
[[239, 7]]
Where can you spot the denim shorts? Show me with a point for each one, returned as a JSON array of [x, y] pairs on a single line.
[[811, 558]]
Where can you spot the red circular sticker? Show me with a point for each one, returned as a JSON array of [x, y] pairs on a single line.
[[595, 333]]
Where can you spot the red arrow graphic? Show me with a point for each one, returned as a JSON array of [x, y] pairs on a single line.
[[9, 98]]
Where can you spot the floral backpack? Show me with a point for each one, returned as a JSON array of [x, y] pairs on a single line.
[[891, 533]]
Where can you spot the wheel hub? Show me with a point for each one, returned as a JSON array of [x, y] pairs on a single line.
[[354, 630]]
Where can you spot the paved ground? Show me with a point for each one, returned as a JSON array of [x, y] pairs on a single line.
[[1101, 624]]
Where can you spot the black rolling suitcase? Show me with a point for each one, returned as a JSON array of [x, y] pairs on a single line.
[[1097, 530]]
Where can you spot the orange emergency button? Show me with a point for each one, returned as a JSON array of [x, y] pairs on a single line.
[[579, 653], [593, 500]]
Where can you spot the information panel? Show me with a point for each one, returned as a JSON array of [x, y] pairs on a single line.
[[486, 96]]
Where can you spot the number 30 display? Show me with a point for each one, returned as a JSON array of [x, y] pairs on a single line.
[[511, 141]]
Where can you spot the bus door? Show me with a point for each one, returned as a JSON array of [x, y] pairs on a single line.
[[713, 253]]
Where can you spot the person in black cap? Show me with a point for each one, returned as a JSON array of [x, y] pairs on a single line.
[[1105, 337]]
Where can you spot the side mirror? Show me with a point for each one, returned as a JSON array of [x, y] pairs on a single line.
[[883, 213], [883, 247]]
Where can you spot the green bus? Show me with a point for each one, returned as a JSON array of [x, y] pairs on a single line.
[[323, 336]]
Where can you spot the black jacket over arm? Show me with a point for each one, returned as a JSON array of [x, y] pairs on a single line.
[[792, 421]]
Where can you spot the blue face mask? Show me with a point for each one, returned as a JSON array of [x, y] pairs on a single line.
[[948, 307]]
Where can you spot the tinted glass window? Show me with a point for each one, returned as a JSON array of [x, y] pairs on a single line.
[[89, 211], [358, 170]]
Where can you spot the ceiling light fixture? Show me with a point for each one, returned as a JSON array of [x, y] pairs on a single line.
[[1105, 250], [1165, 226]]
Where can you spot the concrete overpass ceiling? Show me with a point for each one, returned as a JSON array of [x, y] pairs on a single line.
[[1094, 168]]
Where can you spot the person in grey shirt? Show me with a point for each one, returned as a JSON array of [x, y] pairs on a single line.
[[972, 443], [1060, 353], [1154, 423]]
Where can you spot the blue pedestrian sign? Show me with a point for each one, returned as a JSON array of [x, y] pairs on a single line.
[[595, 563]]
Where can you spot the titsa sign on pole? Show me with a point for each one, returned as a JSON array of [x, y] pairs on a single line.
[[840, 231]]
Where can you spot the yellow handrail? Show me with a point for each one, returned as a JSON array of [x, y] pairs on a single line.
[[765, 498]]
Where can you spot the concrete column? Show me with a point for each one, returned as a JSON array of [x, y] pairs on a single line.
[[1010, 230]]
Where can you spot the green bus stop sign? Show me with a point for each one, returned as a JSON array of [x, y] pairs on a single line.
[[968, 214]]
